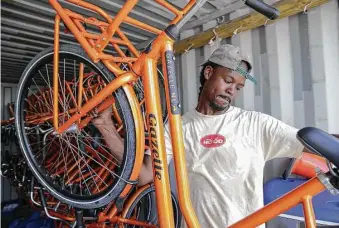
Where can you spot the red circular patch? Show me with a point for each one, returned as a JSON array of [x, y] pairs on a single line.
[[213, 140]]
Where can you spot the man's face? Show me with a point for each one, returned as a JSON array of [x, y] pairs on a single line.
[[222, 85]]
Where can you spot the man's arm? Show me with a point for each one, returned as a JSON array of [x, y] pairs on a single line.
[[115, 143], [280, 139]]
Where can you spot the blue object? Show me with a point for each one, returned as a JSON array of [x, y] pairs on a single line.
[[325, 205], [34, 221], [8, 208]]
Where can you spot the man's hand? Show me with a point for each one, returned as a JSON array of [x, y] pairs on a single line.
[[105, 125], [115, 143], [105, 117]]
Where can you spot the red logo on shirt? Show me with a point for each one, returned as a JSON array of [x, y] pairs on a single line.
[[211, 141]]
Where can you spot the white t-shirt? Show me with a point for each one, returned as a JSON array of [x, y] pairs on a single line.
[[225, 157]]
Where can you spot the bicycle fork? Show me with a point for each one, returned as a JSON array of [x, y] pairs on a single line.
[[157, 144], [146, 65]]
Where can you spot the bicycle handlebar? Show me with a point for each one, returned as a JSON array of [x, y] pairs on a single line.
[[263, 8]]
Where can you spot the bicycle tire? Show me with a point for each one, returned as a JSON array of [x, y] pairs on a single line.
[[176, 209], [114, 190], [138, 89]]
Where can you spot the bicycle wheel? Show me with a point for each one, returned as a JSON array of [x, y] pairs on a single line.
[[139, 91], [143, 208], [76, 167]]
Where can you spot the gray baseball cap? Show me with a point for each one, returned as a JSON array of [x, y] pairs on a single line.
[[230, 56]]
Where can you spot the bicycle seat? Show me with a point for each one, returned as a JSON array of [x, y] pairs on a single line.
[[320, 142]]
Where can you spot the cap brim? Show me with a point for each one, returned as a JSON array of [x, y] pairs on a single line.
[[251, 78], [246, 74]]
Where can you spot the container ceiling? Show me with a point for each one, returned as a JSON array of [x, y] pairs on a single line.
[[27, 26]]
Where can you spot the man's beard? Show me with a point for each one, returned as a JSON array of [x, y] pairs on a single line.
[[219, 108]]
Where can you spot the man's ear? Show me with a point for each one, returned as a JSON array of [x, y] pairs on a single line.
[[208, 72]]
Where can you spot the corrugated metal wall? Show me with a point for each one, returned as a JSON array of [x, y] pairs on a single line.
[[296, 64]]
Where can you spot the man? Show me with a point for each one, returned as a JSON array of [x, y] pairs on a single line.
[[226, 147]]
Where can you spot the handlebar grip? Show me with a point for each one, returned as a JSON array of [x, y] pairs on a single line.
[[263, 8]]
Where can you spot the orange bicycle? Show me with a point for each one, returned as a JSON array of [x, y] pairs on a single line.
[[84, 173]]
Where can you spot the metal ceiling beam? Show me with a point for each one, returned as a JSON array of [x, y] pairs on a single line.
[[9, 79], [45, 8], [38, 42], [16, 31], [22, 25], [17, 67], [207, 9], [18, 51], [126, 28], [8, 76], [37, 30], [19, 45], [137, 13], [6, 63], [219, 4], [10, 67], [12, 71], [253, 20], [218, 13], [6, 36], [179, 4], [14, 75], [152, 6], [15, 56], [3, 58], [39, 6], [43, 20]]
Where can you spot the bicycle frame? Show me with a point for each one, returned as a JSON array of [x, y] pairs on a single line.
[[145, 65]]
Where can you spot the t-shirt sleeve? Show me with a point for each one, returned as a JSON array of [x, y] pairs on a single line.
[[279, 139], [168, 145]]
